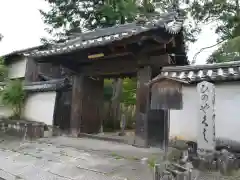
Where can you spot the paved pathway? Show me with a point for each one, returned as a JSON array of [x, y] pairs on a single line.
[[66, 158]]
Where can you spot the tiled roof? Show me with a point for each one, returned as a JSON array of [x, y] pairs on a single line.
[[228, 71], [170, 22], [43, 86], [22, 51]]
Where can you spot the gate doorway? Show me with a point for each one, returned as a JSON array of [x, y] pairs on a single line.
[[138, 49], [63, 110], [158, 127]]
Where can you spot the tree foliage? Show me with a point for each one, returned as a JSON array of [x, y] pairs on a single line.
[[67, 17], [129, 91], [225, 14], [128, 95], [13, 96], [12, 93], [3, 70]]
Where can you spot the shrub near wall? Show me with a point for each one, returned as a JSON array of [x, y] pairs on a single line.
[[13, 96]]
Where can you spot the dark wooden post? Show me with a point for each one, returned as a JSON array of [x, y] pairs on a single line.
[[87, 101], [142, 106], [76, 107], [31, 73], [92, 105]]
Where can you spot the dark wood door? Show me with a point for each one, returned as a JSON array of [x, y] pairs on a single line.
[[63, 109], [158, 128]]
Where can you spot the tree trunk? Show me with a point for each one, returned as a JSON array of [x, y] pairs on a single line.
[[114, 111]]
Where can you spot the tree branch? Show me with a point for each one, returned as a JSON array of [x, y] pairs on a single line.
[[195, 56]]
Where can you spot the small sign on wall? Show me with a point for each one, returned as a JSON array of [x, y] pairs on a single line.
[[206, 138], [166, 94]]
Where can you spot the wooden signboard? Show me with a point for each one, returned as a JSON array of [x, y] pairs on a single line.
[[166, 94]]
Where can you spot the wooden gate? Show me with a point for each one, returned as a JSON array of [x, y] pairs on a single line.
[[158, 127], [63, 110]]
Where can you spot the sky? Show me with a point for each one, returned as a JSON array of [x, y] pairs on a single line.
[[22, 27]]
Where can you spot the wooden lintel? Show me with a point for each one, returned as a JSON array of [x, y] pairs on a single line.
[[114, 76], [148, 49], [160, 40], [73, 66], [126, 64], [119, 65], [116, 55], [157, 61]]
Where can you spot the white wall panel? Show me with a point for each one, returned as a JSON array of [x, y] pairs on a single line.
[[183, 123], [40, 107], [17, 68]]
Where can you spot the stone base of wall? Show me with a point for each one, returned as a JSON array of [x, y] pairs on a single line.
[[27, 129]]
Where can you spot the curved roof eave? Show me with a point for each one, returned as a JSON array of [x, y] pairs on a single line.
[[170, 22]]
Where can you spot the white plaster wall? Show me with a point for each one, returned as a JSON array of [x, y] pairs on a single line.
[[5, 111], [17, 68], [40, 107], [183, 123]]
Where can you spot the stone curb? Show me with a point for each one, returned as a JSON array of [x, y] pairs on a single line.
[[103, 138]]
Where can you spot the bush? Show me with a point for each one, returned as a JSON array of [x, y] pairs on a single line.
[[13, 96]]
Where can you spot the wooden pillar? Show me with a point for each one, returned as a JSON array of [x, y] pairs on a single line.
[[31, 73], [142, 106], [92, 106], [76, 106], [87, 104]]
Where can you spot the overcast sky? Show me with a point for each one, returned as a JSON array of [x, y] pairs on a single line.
[[22, 27]]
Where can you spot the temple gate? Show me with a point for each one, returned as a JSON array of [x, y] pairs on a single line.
[[137, 49]]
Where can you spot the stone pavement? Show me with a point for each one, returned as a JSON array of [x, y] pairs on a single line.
[[65, 158], [105, 147]]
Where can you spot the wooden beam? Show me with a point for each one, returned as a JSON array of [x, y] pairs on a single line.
[[123, 75], [106, 67], [73, 66], [157, 60], [121, 65], [115, 55], [151, 48]]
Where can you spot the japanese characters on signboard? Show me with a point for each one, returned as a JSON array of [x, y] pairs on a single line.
[[206, 138]]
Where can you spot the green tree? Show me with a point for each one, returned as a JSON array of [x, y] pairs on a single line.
[[67, 17], [13, 96], [225, 14], [3, 70], [12, 93], [128, 96]]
